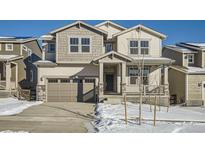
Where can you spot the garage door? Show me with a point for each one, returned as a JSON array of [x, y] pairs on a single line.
[[66, 90]]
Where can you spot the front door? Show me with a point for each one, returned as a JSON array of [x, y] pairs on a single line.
[[109, 82]]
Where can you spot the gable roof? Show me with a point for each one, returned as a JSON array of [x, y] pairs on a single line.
[[180, 49], [17, 39], [78, 23], [113, 53], [111, 23], [143, 28], [197, 46]]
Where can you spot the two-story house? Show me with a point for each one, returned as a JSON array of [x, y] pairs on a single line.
[[187, 74], [17, 55], [82, 62]]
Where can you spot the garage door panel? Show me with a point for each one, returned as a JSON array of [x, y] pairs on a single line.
[[70, 92]]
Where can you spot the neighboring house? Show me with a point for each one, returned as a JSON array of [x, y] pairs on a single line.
[[187, 74], [84, 63], [17, 55]]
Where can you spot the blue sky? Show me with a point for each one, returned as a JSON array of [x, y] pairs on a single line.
[[176, 30]]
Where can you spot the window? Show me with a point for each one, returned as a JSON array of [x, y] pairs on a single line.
[[77, 81], [133, 47], [134, 74], [74, 42], [89, 80], [85, 44], [51, 48], [9, 47], [144, 45], [190, 58], [108, 47], [52, 80], [31, 75], [65, 81]]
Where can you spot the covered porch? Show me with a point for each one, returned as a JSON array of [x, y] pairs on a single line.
[[9, 72]]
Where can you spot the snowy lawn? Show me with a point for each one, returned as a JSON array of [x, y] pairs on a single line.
[[110, 118], [12, 106]]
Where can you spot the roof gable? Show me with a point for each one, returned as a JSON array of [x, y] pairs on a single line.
[[111, 23], [78, 23], [113, 55], [141, 27]]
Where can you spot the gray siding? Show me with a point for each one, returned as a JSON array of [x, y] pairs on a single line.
[[177, 56]]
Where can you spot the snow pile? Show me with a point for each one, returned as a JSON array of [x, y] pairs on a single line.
[[110, 118], [12, 106], [10, 131]]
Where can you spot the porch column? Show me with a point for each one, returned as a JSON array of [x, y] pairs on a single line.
[[8, 76], [123, 77], [165, 75], [101, 88], [118, 78]]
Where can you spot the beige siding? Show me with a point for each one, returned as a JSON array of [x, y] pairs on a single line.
[[194, 87], [110, 29], [66, 71], [123, 42], [63, 54], [177, 84]]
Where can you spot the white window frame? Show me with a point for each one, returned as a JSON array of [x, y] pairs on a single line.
[[133, 47], [139, 46], [144, 47], [192, 55], [31, 76], [49, 47], [12, 47], [79, 45]]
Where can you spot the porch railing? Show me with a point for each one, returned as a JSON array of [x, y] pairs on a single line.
[[2, 84], [148, 89]]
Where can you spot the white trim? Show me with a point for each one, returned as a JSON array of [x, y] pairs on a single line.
[[0, 46], [25, 48], [6, 47], [79, 44], [192, 58], [186, 87], [112, 23]]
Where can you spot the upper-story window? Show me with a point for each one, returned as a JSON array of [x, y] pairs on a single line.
[[79, 45], [9, 47], [51, 48], [139, 47], [144, 45], [190, 58], [133, 47], [74, 42], [85, 44], [108, 47]]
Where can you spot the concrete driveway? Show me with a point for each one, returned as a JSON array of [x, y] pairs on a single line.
[[52, 118]]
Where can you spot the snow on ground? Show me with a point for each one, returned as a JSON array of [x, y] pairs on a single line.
[[10, 131], [12, 106], [110, 118]]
